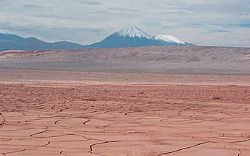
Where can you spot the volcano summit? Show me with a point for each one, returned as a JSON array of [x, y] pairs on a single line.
[[132, 36]]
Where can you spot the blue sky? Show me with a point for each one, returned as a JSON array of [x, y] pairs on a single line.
[[202, 22]]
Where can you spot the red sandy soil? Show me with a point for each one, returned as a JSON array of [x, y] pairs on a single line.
[[158, 116]]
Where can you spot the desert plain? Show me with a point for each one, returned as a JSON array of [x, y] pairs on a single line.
[[105, 107]]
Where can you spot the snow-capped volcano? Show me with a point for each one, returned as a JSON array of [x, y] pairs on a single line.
[[132, 36], [132, 32], [169, 38]]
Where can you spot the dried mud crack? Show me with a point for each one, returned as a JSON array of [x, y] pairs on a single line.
[[26, 149], [184, 148], [85, 122], [38, 133], [164, 120], [91, 147], [3, 120]]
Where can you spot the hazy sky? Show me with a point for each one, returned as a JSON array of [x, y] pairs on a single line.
[[202, 22]]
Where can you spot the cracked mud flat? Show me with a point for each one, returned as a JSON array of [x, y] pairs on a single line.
[[124, 119]]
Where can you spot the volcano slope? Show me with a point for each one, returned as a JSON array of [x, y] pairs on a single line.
[[51, 112]]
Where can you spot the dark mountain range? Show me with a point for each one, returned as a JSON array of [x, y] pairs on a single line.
[[14, 42], [131, 36]]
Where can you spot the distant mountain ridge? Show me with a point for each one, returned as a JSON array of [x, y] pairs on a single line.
[[130, 36], [14, 42]]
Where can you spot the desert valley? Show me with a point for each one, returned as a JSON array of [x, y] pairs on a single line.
[[148, 101], [124, 78]]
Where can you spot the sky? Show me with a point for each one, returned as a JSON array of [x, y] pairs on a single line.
[[202, 22]]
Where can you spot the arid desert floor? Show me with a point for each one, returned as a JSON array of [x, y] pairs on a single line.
[[107, 114]]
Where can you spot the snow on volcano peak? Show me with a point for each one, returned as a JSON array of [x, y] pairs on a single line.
[[169, 38], [132, 32], [132, 36]]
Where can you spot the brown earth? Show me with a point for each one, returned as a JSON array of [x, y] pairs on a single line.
[[184, 60], [51, 113]]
